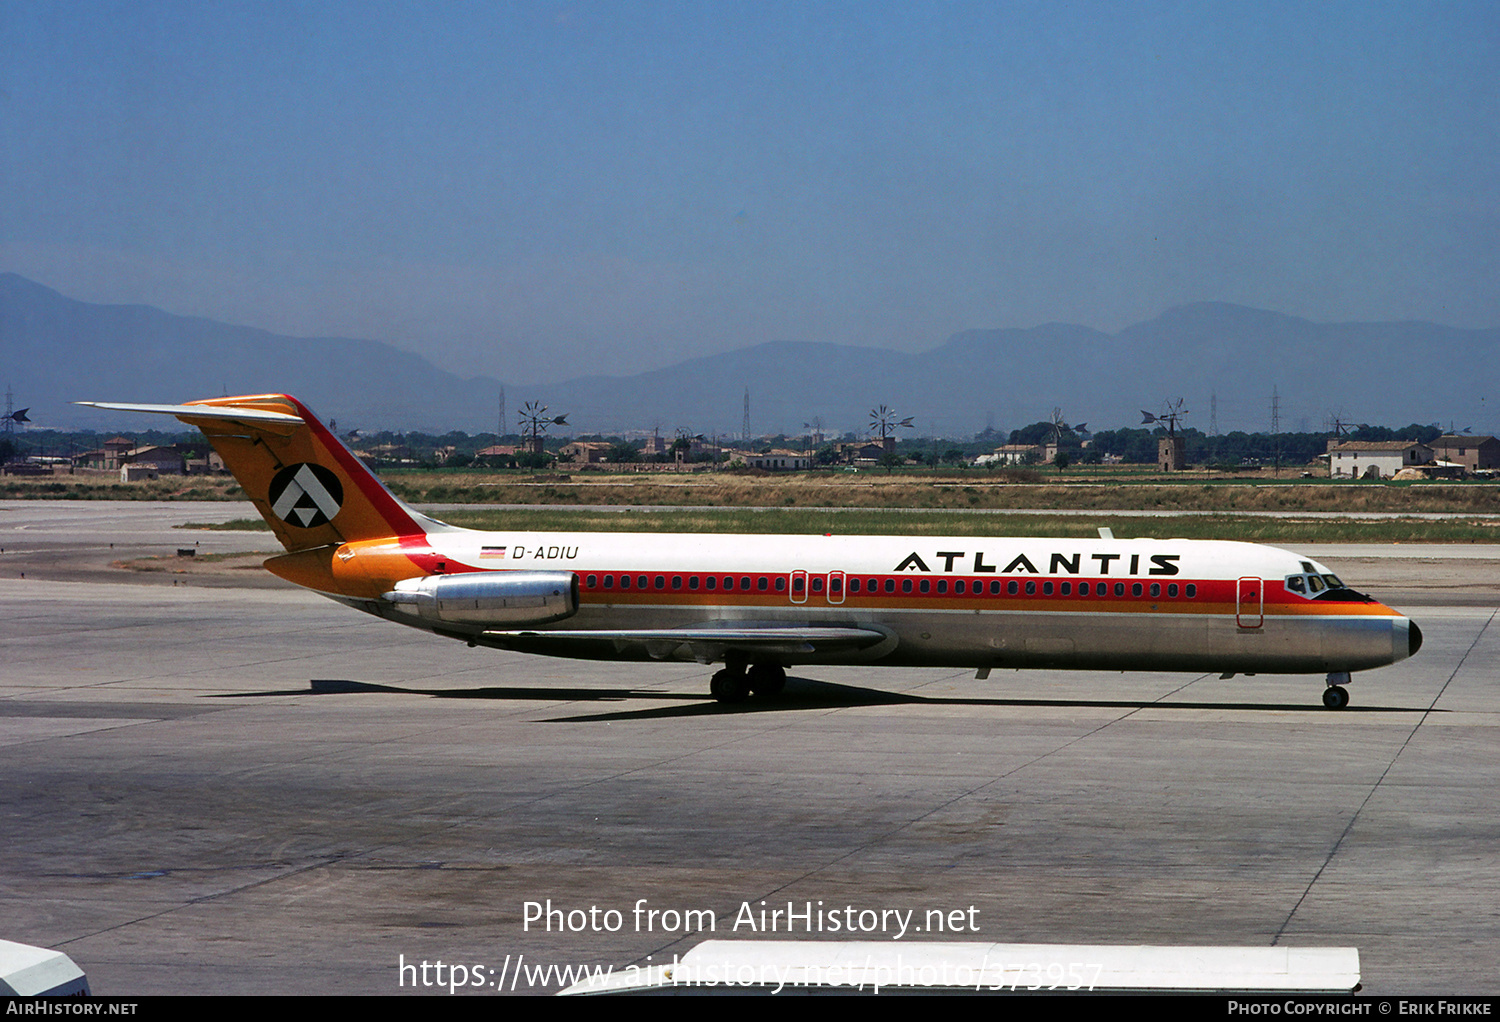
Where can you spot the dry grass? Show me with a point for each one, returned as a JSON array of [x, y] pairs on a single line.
[[793, 521], [957, 491], [872, 490]]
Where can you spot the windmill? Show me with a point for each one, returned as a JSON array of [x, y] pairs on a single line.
[[1059, 427], [883, 421], [534, 422], [13, 418], [1170, 453], [1171, 414], [815, 430]]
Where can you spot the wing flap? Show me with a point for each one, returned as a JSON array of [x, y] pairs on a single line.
[[702, 644]]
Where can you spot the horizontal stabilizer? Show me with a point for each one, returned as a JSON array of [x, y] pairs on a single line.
[[198, 411]]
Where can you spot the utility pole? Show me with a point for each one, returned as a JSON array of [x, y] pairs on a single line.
[[1213, 427], [1276, 429]]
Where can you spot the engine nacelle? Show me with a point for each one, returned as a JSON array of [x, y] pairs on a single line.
[[493, 598]]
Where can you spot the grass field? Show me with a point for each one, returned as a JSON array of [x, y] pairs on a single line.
[[947, 523], [972, 490]]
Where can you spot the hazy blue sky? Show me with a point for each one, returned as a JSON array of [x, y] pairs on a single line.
[[539, 190]]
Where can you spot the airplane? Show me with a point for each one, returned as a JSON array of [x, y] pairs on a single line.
[[759, 604]]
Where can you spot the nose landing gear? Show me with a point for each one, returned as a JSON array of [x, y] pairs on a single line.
[[1335, 696]]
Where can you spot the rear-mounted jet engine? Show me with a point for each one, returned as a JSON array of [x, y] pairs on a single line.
[[489, 598]]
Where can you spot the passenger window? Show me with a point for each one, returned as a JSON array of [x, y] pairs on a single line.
[[1119, 588], [710, 583], [661, 581], [641, 582], [1066, 588], [676, 581], [890, 585], [1155, 590], [761, 583], [780, 584], [624, 581], [593, 581], [1172, 591], [854, 585], [942, 585], [817, 584], [745, 583], [1011, 588], [1191, 590], [959, 587], [1135, 590], [995, 588], [926, 586], [798, 584], [1046, 588], [906, 585], [692, 581], [609, 581]]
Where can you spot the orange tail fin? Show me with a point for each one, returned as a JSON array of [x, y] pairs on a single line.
[[311, 490]]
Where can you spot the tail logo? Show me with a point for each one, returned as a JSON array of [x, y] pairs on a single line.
[[305, 495]]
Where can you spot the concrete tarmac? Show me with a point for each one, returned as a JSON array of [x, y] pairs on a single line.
[[221, 787]]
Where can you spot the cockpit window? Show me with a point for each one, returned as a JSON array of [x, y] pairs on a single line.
[[1316, 585]]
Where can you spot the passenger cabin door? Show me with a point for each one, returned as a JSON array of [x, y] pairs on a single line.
[[798, 592], [1249, 603], [835, 587]]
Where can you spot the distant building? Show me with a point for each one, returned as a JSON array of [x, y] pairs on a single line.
[[1376, 459], [1011, 454], [161, 461], [864, 453], [499, 456], [109, 458], [778, 461], [585, 452], [1472, 452]]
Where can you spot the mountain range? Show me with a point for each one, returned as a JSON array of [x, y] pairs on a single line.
[[1218, 357]]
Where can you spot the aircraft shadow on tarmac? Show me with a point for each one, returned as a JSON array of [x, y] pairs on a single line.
[[800, 694]]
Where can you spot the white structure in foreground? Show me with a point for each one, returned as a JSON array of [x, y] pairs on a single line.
[[27, 971]]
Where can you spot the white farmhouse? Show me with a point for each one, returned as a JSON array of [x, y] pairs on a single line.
[[1375, 459]]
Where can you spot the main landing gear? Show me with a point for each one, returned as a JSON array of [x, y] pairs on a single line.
[[735, 682], [1336, 696]]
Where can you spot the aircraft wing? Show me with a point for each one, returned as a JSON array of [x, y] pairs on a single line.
[[702, 644]]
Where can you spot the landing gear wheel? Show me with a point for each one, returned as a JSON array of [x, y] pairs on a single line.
[[767, 679], [1335, 697], [729, 687]]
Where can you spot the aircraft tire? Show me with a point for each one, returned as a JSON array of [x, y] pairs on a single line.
[[1335, 697], [729, 687], [767, 679]]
